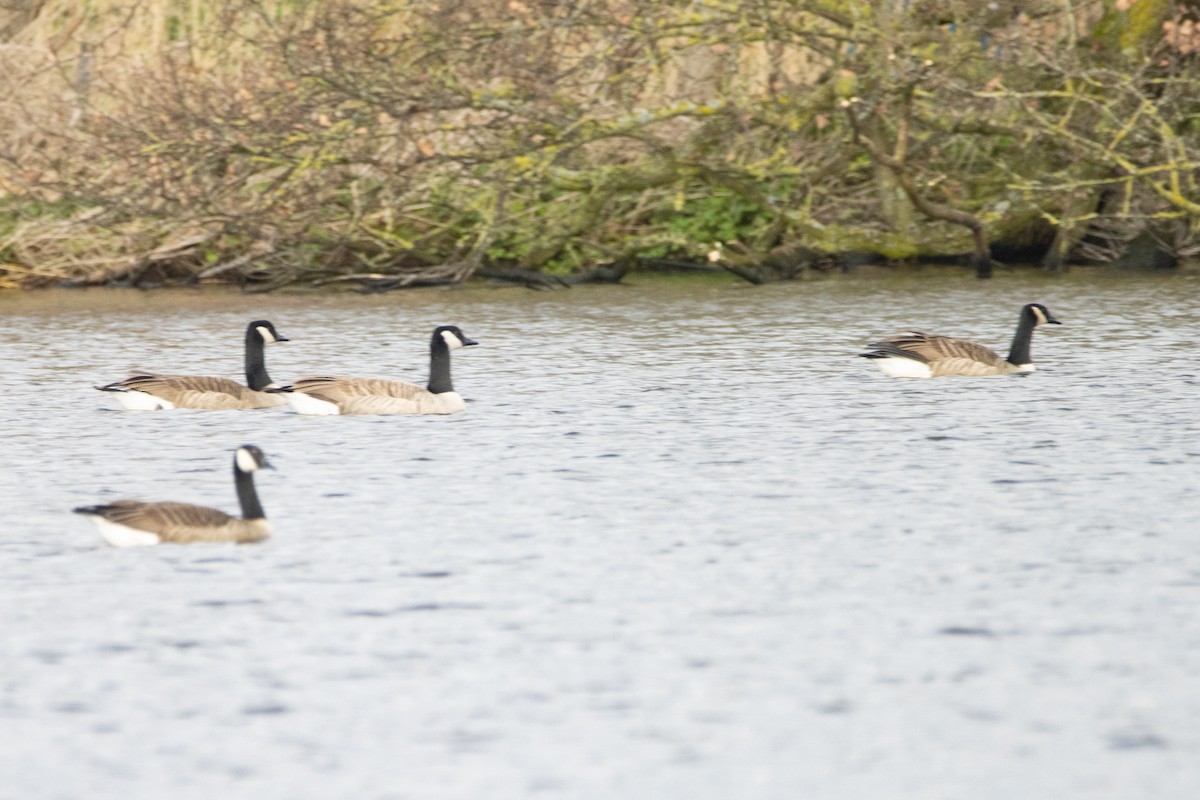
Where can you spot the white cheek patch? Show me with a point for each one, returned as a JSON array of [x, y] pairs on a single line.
[[452, 341], [245, 461], [1039, 316], [266, 334]]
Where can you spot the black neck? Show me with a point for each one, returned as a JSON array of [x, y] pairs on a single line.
[[439, 366], [247, 496], [256, 364], [1019, 353]]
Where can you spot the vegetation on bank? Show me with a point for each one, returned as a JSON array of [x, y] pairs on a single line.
[[391, 143]]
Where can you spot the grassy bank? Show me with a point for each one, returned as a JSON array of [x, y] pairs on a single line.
[[391, 144]]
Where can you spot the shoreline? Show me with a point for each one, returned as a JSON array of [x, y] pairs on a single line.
[[672, 286]]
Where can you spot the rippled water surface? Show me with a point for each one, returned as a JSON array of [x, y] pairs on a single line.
[[682, 544]]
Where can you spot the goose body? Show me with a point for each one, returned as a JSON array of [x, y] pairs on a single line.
[[135, 523], [147, 391], [922, 355], [332, 395]]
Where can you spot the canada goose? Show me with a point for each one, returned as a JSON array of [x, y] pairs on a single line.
[[133, 523], [920, 355], [146, 391], [326, 395]]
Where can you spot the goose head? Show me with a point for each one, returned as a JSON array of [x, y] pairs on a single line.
[[249, 458], [1041, 315], [264, 330], [452, 336]]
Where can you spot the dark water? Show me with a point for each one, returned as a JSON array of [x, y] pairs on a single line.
[[682, 544]]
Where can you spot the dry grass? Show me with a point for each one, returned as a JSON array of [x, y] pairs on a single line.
[[279, 141]]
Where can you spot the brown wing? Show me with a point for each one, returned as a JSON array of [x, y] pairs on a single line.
[[367, 395], [338, 389], [161, 518], [945, 355], [200, 391], [182, 522]]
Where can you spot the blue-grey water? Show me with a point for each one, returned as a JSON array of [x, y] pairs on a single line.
[[682, 544]]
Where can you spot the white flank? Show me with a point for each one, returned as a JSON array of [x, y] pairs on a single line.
[[142, 401], [452, 341], [903, 367], [303, 403], [1026, 368], [444, 403], [123, 535]]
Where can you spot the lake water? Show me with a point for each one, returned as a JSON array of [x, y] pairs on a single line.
[[682, 544]]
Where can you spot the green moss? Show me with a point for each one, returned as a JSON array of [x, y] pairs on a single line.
[[1143, 27]]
